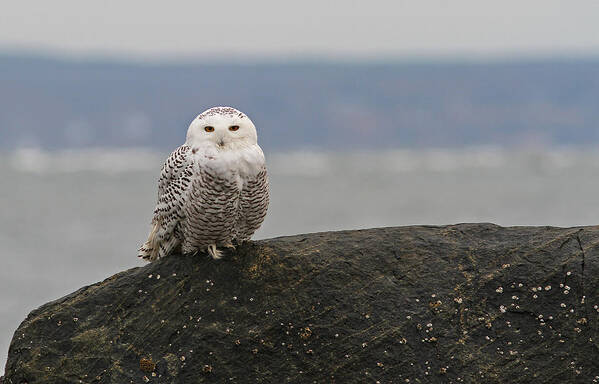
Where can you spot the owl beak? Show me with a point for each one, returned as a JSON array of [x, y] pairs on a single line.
[[221, 140]]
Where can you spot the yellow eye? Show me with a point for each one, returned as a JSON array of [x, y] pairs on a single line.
[[233, 127], [209, 128]]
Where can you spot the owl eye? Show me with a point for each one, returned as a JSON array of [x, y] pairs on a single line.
[[209, 128], [233, 127]]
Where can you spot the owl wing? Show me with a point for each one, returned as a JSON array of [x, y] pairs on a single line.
[[173, 191], [174, 165], [254, 204]]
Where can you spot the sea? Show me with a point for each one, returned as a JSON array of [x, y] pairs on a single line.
[[73, 218]]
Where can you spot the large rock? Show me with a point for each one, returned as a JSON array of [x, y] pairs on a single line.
[[465, 303]]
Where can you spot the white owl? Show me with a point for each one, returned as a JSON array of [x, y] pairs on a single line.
[[213, 190]]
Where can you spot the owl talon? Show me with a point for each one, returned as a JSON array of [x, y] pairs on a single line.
[[214, 252]]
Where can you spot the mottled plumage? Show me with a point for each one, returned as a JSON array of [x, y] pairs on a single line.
[[213, 190]]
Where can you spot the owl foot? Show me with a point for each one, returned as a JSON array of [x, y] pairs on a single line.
[[214, 252]]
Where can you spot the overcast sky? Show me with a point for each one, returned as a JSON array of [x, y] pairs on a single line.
[[275, 28]]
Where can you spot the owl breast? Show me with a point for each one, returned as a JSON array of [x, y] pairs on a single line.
[[228, 200]]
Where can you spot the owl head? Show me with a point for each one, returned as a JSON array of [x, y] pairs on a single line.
[[223, 128]]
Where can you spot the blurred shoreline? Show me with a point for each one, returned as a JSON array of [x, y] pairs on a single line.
[[56, 104]]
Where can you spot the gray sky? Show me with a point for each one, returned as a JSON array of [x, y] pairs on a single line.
[[362, 29]]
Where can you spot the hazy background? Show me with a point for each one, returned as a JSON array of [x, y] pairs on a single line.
[[371, 114]]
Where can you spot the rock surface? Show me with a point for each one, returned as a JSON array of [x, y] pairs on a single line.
[[456, 304]]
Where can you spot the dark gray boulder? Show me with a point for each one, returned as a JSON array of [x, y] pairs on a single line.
[[465, 303]]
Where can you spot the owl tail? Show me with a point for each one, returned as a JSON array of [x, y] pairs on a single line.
[[158, 245], [149, 250]]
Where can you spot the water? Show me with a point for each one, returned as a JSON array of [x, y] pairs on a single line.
[[73, 218]]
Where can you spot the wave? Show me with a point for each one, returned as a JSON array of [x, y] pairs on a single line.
[[33, 160], [314, 163]]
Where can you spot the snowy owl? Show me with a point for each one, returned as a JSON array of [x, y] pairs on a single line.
[[213, 190]]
